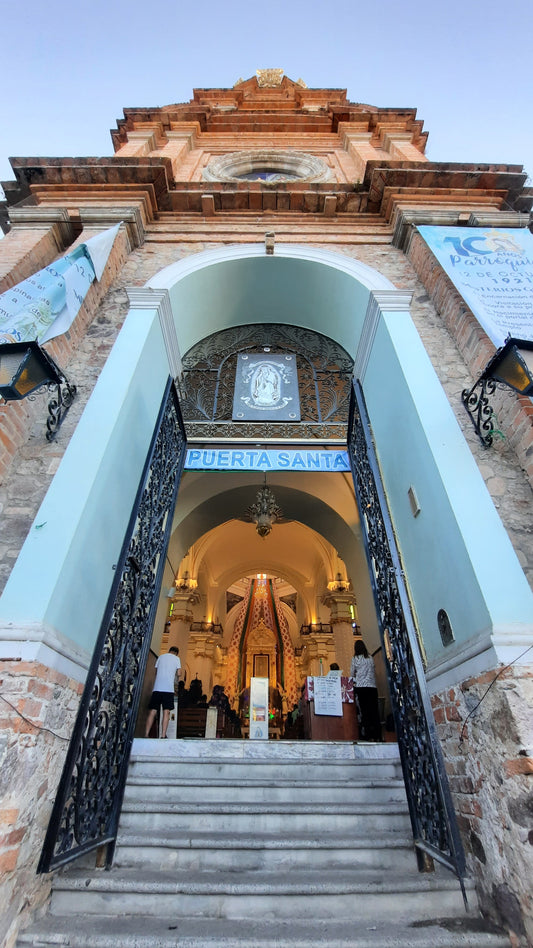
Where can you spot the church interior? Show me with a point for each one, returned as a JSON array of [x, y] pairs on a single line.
[[285, 605]]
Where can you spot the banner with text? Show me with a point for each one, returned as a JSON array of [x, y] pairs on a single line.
[[253, 459], [493, 271]]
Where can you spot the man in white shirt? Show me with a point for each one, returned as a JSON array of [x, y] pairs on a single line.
[[167, 671]]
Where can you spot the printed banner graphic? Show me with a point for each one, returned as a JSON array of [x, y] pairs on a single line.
[[46, 304], [493, 271]]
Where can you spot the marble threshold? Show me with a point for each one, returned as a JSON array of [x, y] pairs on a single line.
[[240, 749]]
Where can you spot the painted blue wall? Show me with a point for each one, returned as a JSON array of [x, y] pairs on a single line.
[[266, 289], [456, 552], [63, 574]]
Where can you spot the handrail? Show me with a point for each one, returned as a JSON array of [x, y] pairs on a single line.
[[433, 819], [86, 811]]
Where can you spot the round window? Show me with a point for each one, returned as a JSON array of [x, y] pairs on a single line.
[[269, 167]]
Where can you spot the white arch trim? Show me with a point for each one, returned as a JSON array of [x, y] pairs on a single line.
[[367, 276]]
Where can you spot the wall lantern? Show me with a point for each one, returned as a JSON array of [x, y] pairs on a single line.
[[512, 366], [25, 368]]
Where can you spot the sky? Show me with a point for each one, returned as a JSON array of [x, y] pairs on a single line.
[[465, 65]]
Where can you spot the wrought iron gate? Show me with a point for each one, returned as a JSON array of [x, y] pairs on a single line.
[[431, 809], [89, 797]]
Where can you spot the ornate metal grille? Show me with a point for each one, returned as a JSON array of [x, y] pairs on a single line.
[[89, 798], [324, 377], [432, 815]]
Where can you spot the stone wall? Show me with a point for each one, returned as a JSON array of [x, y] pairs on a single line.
[[37, 711], [485, 725]]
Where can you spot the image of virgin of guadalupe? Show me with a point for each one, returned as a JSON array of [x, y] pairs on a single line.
[[266, 385]]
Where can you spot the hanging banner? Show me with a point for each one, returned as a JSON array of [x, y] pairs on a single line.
[[252, 459], [46, 304], [493, 271], [259, 709]]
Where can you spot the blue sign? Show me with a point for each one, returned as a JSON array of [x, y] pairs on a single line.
[[493, 271], [254, 459]]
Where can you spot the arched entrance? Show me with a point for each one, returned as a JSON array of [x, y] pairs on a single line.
[[417, 440]]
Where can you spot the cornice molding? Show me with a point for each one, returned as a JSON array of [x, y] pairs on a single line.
[[108, 216], [146, 297], [57, 218], [381, 301], [409, 218]]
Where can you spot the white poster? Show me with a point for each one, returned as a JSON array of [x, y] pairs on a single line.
[[259, 709], [493, 271], [328, 698]]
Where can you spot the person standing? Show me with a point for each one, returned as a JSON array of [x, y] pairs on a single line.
[[168, 668], [366, 693]]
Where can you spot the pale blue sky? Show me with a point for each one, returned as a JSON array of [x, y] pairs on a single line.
[[465, 66]]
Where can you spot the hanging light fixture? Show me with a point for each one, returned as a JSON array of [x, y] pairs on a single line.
[[265, 512], [25, 367], [511, 365]]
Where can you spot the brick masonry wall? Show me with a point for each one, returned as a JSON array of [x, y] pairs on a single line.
[[37, 711], [24, 251], [488, 749]]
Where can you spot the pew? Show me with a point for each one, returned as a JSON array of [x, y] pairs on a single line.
[[191, 723]]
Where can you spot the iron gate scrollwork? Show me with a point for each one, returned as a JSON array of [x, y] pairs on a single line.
[[431, 809], [89, 797]]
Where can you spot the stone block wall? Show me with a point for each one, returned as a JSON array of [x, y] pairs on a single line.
[[38, 706], [485, 725]]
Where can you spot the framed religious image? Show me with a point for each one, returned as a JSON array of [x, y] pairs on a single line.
[[266, 387], [261, 666]]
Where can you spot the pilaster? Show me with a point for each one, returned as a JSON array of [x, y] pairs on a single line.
[[146, 297]]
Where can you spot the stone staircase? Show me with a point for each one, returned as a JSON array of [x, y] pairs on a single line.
[[275, 845]]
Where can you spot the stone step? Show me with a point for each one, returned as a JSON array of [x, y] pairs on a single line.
[[266, 895], [266, 818], [261, 852], [274, 760], [227, 844], [248, 790], [170, 932]]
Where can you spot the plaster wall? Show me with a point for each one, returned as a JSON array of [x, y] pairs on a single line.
[[444, 548], [78, 532]]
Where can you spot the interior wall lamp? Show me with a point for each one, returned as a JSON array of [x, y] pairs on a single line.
[[512, 366], [25, 368]]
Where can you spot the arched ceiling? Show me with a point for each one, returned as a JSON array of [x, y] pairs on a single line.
[[324, 521], [323, 502]]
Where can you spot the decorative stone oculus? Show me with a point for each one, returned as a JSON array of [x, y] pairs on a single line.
[[268, 166]]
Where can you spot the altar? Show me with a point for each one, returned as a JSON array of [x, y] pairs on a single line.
[[331, 727]]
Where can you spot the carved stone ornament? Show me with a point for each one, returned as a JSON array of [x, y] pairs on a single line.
[[270, 165], [269, 78]]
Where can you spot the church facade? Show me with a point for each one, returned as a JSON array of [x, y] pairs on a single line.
[[268, 455]]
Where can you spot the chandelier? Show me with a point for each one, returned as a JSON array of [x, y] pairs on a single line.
[[265, 512]]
